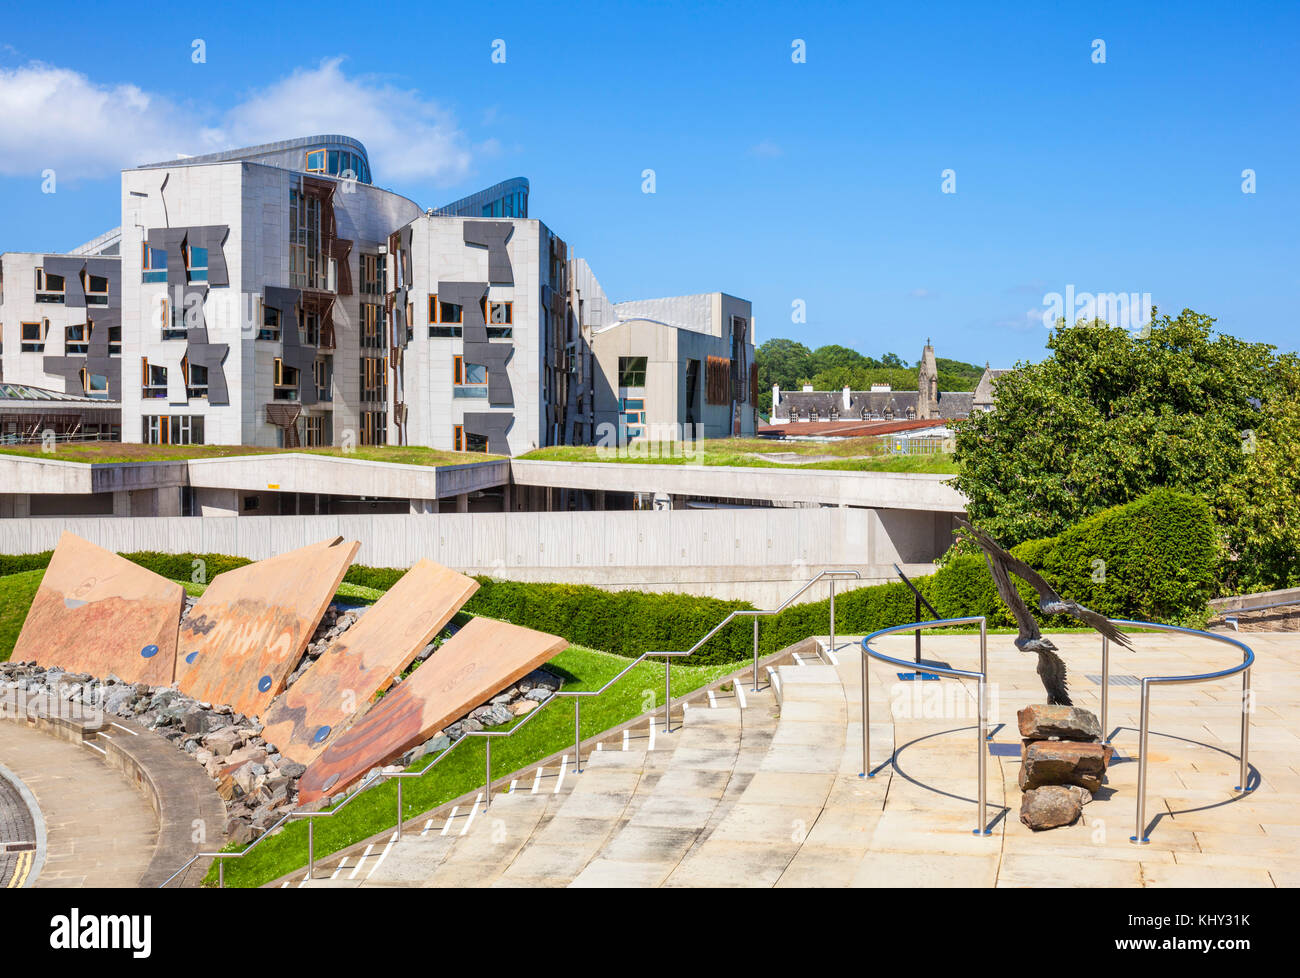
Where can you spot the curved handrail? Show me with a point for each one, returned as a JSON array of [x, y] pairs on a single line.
[[982, 677], [1139, 837], [575, 695]]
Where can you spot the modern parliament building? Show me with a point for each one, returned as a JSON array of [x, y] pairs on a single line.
[[275, 296]]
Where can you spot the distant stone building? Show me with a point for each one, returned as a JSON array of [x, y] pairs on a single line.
[[883, 403]]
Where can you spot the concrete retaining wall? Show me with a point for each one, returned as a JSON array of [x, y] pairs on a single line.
[[700, 551]]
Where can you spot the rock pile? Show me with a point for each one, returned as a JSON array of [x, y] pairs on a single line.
[[256, 782], [1062, 763]]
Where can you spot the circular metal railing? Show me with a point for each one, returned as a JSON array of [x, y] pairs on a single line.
[[1139, 836]]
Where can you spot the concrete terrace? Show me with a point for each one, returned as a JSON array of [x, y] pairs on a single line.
[[764, 789]]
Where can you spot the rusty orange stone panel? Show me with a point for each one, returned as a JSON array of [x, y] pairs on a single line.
[[365, 659], [247, 632], [99, 613], [482, 658]]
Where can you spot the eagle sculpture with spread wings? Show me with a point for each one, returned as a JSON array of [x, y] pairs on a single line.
[[1051, 668]]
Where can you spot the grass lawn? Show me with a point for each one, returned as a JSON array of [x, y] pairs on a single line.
[[111, 452], [17, 591], [551, 731], [850, 454]]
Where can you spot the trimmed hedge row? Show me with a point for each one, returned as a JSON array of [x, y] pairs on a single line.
[[1154, 559]]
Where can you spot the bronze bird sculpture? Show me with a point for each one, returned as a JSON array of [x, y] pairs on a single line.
[[1051, 668]]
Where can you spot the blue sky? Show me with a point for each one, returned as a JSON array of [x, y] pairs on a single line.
[[775, 181]]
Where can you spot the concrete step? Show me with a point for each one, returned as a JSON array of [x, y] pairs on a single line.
[[716, 746], [762, 832]]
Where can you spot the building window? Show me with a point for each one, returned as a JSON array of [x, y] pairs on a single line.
[[315, 161], [307, 266], [153, 379], [444, 332], [154, 264], [196, 264], [33, 336], [318, 432], [286, 381], [372, 274], [173, 429], [631, 371], [309, 333], [76, 339], [96, 289], [49, 288], [373, 379], [500, 313], [115, 341], [171, 318], [632, 416], [372, 332], [270, 324], [445, 312], [468, 442], [470, 378], [94, 385], [196, 379], [322, 374], [374, 427]]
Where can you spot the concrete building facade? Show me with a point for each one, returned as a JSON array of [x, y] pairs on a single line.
[[274, 296]]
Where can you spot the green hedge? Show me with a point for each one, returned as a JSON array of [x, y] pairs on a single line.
[[1159, 555]]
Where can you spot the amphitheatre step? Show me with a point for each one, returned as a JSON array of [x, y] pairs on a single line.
[[717, 747], [754, 843]]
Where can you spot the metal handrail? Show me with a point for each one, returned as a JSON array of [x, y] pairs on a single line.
[[1139, 837], [575, 695], [756, 614], [981, 827]]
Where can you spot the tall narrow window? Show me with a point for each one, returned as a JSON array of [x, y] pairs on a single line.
[[196, 264], [154, 264]]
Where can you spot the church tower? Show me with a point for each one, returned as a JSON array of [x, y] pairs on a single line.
[[927, 384]]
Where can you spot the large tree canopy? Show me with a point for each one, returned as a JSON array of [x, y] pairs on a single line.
[[1108, 417]]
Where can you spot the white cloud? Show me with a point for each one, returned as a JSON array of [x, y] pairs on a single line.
[[56, 118], [60, 119], [406, 135], [766, 149], [923, 293]]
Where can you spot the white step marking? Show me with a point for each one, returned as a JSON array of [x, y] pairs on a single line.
[[564, 766], [652, 734], [125, 729], [600, 746], [447, 824], [740, 693], [391, 839], [427, 826], [512, 785], [341, 866], [831, 652], [797, 661], [284, 885], [362, 861], [713, 702], [627, 731], [537, 781], [93, 747]]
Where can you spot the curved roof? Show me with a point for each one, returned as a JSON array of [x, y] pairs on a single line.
[[274, 153]]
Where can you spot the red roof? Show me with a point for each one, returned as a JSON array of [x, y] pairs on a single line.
[[846, 428]]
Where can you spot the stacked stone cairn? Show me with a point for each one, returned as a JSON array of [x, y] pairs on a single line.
[[1063, 763]]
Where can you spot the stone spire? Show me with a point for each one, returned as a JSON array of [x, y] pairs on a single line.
[[927, 384]]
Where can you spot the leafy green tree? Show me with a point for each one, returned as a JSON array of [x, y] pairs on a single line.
[[1260, 504], [892, 360], [1108, 417], [833, 357], [783, 362]]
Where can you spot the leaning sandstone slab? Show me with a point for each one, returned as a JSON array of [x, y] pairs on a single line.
[[1063, 762], [1063, 722]]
